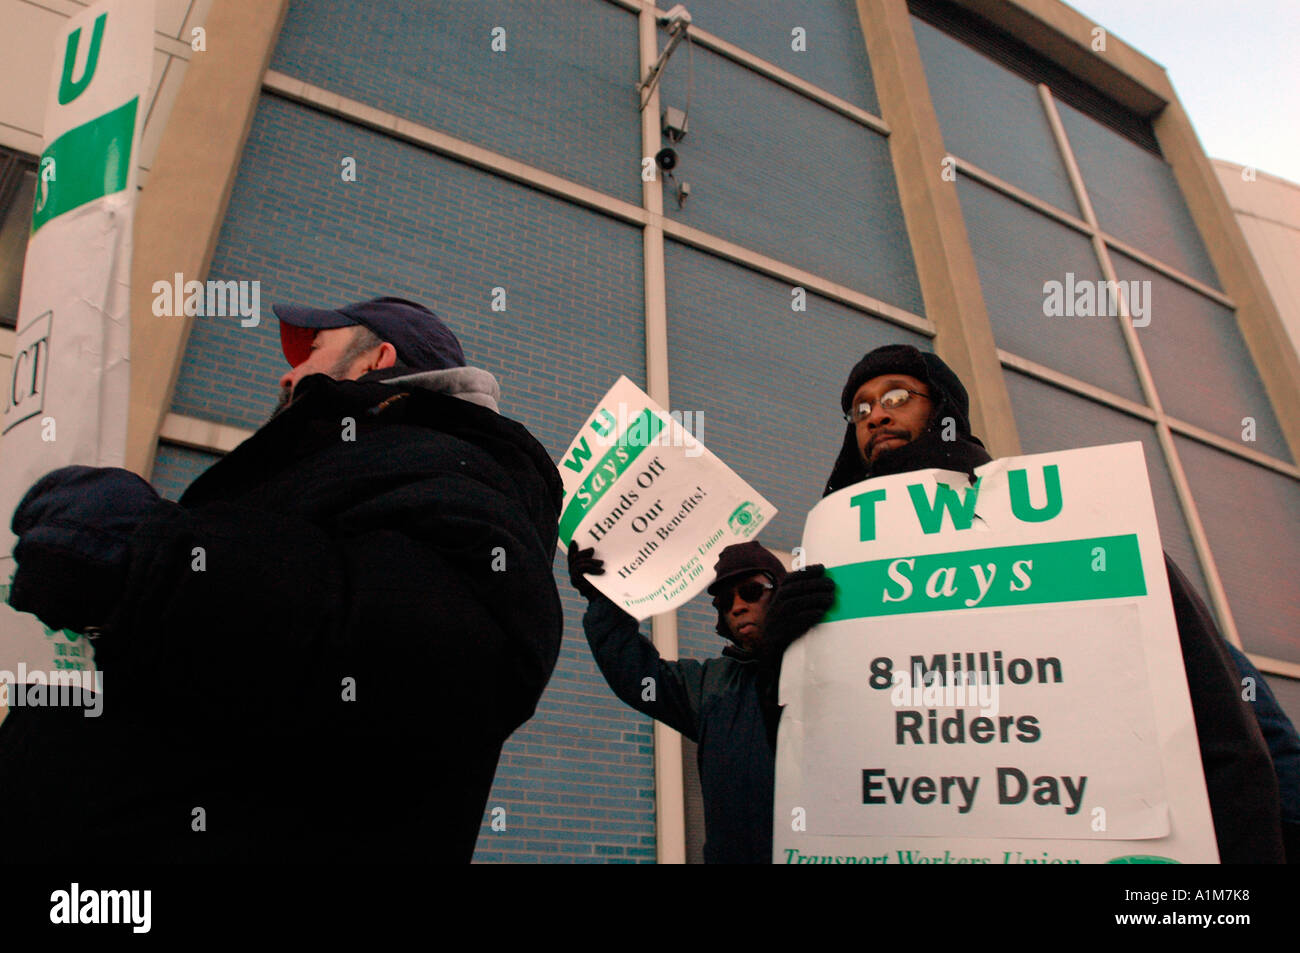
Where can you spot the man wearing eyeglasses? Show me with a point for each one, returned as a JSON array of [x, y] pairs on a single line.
[[722, 704], [906, 410]]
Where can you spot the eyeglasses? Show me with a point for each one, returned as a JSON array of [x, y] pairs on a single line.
[[890, 400], [750, 591]]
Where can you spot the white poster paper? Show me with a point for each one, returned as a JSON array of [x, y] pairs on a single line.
[[653, 502]]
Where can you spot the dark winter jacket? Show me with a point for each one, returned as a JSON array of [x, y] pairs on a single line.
[[1283, 747], [1239, 775], [715, 703], [323, 646], [1239, 778]]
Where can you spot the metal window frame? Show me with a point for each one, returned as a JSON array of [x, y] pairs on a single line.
[[1173, 462], [1082, 388], [642, 216], [1153, 412], [984, 177]]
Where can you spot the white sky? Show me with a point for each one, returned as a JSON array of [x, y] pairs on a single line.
[[1235, 65]]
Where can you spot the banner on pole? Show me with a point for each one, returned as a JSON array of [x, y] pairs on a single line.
[[999, 680], [65, 401], [655, 504]]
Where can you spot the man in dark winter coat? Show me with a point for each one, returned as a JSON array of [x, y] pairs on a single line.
[[319, 652], [908, 411], [717, 703]]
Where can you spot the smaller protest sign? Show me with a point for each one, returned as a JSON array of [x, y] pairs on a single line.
[[653, 502]]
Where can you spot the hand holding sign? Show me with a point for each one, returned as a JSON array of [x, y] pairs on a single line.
[[800, 603], [581, 563]]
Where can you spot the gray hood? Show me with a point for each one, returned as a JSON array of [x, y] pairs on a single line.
[[468, 383]]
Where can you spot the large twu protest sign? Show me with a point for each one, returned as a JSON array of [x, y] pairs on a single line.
[[999, 680], [66, 397], [653, 502]]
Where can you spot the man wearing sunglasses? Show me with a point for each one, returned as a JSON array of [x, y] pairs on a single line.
[[725, 705], [906, 410]]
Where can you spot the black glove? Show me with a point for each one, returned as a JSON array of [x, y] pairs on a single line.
[[74, 526], [584, 561], [799, 603]]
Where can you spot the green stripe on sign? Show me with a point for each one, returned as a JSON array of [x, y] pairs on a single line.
[[1107, 567], [90, 161], [640, 433]]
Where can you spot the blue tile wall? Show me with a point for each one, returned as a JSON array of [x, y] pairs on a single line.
[[772, 171], [423, 227], [1136, 196], [992, 117], [1018, 250], [834, 54], [1049, 419], [1199, 360], [1251, 515], [561, 95], [175, 468], [767, 379]]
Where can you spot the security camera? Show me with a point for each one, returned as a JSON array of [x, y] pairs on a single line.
[[673, 124], [666, 159]]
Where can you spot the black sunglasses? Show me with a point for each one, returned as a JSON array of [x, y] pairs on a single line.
[[750, 591]]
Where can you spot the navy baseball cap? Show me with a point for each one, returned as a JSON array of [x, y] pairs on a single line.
[[422, 341]]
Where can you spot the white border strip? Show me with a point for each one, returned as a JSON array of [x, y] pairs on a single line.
[[789, 80], [443, 144], [198, 434], [1274, 666]]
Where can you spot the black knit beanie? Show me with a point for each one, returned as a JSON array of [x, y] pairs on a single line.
[[948, 397]]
